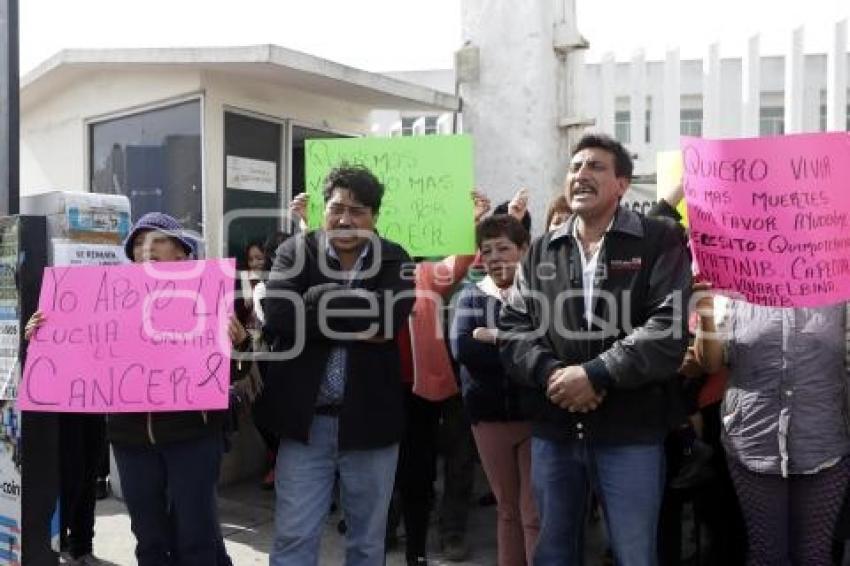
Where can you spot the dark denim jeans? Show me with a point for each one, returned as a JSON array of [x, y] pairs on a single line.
[[170, 491], [629, 481], [81, 442]]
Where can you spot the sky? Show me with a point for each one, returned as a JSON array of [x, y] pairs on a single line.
[[621, 27], [376, 35], [384, 35]]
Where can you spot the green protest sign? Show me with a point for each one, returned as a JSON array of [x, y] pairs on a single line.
[[427, 207]]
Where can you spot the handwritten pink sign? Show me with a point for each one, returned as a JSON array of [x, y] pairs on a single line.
[[131, 338], [770, 217]]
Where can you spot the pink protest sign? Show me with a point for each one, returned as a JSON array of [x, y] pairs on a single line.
[[770, 217], [131, 338]]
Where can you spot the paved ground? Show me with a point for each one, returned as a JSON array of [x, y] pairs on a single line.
[[248, 524]]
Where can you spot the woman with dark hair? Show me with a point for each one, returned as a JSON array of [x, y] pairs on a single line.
[[252, 264], [297, 210], [269, 248], [501, 430], [258, 294], [169, 461]]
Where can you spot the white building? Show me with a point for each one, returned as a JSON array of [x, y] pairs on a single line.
[[164, 127]]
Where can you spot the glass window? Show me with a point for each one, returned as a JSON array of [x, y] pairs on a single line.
[[690, 122], [430, 125], [623, 126], [407, 125], [259, 141], [823, 118], [771, 121], [153, 157]]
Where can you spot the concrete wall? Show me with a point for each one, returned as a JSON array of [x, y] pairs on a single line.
[[512, 108]]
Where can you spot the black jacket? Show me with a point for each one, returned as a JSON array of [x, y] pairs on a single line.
[[372, 411], [488, 393], [645, 268]]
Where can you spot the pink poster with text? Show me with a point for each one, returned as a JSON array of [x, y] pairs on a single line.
[[131, 338], [770, 217]]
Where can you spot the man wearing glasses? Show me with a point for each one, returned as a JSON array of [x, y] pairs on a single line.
[[336, 298]]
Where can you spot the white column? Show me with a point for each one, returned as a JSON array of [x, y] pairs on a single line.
[[751, 88], [711, 126], [637, 101], [672, 101], [570, 47], [445, 123], [418, 126], [794, 72], [836, 79], [608, 94], [518, 141]]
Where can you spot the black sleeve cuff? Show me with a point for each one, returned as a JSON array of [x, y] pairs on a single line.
[[314, 293], [599, 376], [546, 371], [663, 209]]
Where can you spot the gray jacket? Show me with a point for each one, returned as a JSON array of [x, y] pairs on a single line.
[[786, 407]]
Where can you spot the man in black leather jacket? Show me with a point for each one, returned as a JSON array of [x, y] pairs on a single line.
[[335, 300], [596, 323]]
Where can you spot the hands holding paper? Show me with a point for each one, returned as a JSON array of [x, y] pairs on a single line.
[[569, 388], [481, 205], [237, 333], [486, 335], [518, 206], [36, 320], [298, 209]]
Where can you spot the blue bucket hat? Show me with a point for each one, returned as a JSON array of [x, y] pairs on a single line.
[[166, 224]]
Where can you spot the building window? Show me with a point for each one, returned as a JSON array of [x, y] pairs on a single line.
[[647, 128], [154, 158], [407, 126], [623, 126], [771, 121], [823, 118], [690, 122], [408, 122]]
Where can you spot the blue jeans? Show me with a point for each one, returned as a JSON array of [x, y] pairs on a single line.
[[629, 481], [304, 482], [170, 491]]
